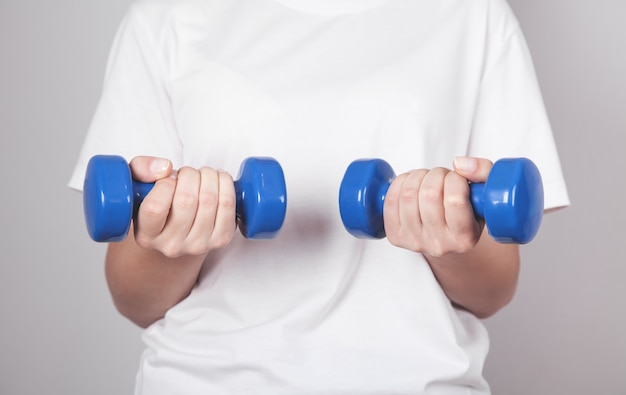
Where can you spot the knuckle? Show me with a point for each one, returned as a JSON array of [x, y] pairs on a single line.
[[203, 245], [187, 170], [220, 241], [199, 248], [430, 193], [400, 243], [207, 171], [171, 250], [436, 249], [225, 177], [393, 239], [185, 200], [391, 201], [142, 240], [456, 200], [466, 242], [208, 199], [154, 208], [437, 172], [464, 246], [407, 241], [409, 194], [228, 201]]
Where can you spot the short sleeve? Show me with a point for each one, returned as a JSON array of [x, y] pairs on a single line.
[[134, 115], [511, 120]]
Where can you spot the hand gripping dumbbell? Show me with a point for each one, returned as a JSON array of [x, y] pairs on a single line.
[[111, 198], [510, 202]]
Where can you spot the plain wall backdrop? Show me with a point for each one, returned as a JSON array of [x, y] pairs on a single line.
[[59, 334]]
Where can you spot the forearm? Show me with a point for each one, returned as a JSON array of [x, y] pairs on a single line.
[[144, 283], [482, 280]]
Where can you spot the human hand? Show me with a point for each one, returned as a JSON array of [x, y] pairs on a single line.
[[187, 212], [429, 211]]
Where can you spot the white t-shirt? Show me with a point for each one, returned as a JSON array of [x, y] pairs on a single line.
[[317, 84]]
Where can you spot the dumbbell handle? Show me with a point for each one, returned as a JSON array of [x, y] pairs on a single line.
[[476, 198], [141, 190]]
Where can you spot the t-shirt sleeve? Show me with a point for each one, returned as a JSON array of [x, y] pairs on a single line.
[[511, 120], [134, 115]]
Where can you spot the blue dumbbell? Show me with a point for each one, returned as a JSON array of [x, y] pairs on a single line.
[[510, 202], [111, 198]]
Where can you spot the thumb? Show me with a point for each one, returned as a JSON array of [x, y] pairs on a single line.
[[150, 169], [474, 169]]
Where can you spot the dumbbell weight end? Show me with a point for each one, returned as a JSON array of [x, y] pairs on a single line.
[[261, 198], [511, 201], [362, 197], [110, 197]]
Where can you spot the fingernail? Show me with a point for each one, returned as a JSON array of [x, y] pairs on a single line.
[[159, 166], [174, 174], [465, 163]]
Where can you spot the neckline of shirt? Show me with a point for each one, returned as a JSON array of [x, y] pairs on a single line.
[[332, 7]]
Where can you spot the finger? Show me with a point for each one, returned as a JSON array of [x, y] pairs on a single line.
[[184, 205], [149, 169], [410, 210], [431, 202], [403, 223], [208, 199], [391, 206], [459, 214], [473, 169], [225, 220], [154, 211]]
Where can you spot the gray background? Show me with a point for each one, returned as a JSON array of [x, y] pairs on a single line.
[[59, 334]]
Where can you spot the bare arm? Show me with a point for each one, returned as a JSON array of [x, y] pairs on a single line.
[[428, 211], [179, 222], [481, 280], [144, 283]]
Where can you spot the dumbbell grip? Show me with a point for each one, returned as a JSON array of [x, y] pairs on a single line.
[[140, 191], [476, 198]]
